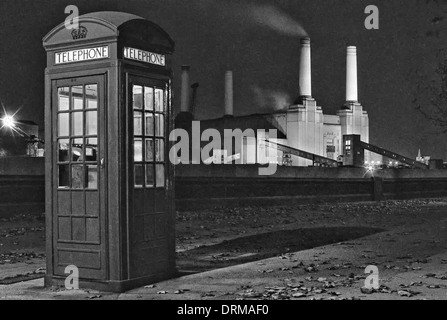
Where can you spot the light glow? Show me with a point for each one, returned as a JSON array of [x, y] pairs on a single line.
[[8, 122]]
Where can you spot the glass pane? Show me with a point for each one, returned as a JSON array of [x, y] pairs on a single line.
[[92, 177], [64, 181], [77, 94], [138, 123], [150, 150], [91, 118], [138, 150], [64, 98], [160, 150], [77, 177], [78, 123], [149, 124], [64, 124], [63, 149], [77, 150], [159, 100], [91, 150], [160, 125], [91, 96], [139, 175], [160, 175], [150, 182], [149, 98], [138, 97]]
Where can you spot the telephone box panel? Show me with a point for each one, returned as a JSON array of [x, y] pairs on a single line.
[[110, 197]]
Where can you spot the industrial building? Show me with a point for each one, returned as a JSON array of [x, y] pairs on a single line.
[[303, 126]]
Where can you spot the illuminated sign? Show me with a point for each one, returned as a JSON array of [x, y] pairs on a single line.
[[145, 56], [81, 55]]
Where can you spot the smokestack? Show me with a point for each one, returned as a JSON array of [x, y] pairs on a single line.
[[185, 90], [351, 75], [305, 69], [229, 93]]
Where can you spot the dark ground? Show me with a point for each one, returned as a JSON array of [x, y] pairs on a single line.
[[220, 238]]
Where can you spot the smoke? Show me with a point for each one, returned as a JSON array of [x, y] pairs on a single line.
[[267, 16], [275, 19], [271, 99]]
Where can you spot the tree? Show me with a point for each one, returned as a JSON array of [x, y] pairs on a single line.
[[431, 92]]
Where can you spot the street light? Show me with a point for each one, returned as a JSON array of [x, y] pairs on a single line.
[[8, 122]]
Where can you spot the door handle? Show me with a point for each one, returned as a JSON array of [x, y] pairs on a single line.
[[102, 163]]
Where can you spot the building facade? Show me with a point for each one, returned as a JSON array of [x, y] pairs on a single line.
[[303, 126]]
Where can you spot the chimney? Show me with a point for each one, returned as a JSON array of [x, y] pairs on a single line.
[[185, 90], [351, 75], [305, 69], [229, 93]]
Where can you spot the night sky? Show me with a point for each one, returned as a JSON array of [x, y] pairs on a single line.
[[259, 41]]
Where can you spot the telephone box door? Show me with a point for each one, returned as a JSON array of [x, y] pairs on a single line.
[[78, 113], [151, 225]]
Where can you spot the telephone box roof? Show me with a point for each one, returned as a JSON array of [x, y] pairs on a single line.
[[110, 24]]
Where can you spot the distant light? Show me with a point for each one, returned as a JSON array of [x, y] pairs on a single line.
[[8, 121], [372, 162]]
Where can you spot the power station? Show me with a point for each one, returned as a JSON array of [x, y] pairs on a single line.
[[303, 126]]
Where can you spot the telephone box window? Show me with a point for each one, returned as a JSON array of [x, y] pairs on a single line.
[[160, 172], [63, 150], [149, 99], [159, 123], [78, 137], [139, 176], [150, 150], [91, 119], [77, 177], [64, 124], [77, 150], [77, 94], [160, 150], [138, 97], [150, 182], [138, 123], [159, 100], [92, 177], [91, 150], [149, 124], [91, 95], [64, 98], [64, 177], [152, 132], [78, 123], [138, 150]]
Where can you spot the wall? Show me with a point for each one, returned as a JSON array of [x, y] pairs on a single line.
[[22, 186], [209, 186]]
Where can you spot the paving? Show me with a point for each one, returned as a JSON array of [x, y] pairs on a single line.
[[406, 241]]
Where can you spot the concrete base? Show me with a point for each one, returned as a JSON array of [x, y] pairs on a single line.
[[112, 285]]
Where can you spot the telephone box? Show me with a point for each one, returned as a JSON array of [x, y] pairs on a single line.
[[109, 183]]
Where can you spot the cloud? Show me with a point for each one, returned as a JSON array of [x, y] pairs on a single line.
[[267, 16], [271, 99], [275, 19]]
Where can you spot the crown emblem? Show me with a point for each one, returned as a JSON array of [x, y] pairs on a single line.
[[80, 33]]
